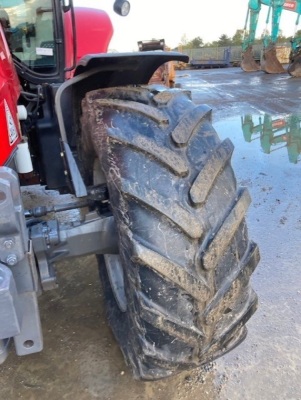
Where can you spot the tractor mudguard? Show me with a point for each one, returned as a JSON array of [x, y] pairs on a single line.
[[97, 72], [127, 68]]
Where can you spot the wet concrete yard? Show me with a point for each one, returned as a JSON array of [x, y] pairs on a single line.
[[267, 364], [81, 359]]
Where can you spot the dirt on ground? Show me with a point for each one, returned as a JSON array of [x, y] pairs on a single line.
[[81, 359]]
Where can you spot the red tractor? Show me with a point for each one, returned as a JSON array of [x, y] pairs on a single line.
[[163, 213]]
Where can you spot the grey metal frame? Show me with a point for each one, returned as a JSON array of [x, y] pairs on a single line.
[[19, 313], [27, 258]]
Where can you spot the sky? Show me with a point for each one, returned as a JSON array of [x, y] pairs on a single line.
[[172, 20]]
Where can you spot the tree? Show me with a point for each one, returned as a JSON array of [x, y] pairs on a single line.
[[196, 43], [265, 33], [184, 40], [281, 38], [215, 43], [224, 40], [237, 38]]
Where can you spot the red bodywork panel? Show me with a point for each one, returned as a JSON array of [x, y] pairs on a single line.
[[290, 5], [279, 123], [94, 30], [10, 134]]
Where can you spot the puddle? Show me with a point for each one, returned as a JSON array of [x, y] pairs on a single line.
[[274, 133], [267, 161], [268, 138]]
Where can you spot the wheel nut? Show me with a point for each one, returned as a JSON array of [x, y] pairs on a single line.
[[8, 244], [11, 260]]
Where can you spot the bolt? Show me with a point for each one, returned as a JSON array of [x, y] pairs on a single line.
[[8, 243], [11, 260]]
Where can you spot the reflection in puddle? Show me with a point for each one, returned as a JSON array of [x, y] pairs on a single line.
[[274, 133]]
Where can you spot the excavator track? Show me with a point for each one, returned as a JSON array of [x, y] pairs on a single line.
[[269, 62], [248, 64]]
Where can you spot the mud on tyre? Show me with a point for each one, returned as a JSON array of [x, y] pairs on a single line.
[[178, 293]]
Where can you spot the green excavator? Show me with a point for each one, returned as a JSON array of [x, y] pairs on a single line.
[[294, 67], [274, 133], [269, 62]]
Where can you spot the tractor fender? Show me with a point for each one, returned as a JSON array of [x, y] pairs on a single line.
[[102, 71], [98, 71], [128, 68]]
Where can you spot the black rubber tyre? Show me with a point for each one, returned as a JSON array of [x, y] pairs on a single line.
[[183, 240]]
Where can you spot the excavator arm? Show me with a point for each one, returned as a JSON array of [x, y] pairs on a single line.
[[248, 64], [294, 67], [269, 62]]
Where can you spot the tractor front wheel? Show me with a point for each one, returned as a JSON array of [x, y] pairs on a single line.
[[177, 294]]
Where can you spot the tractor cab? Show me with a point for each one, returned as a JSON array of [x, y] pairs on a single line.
[[34, 35], [46, 39]]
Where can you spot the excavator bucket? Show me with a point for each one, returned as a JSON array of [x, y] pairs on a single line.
[[269, 62], [248, 64], [294, 68]]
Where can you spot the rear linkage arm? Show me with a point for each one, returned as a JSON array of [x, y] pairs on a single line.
[[27, 257]]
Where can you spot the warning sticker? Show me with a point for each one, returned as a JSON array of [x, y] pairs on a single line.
[[44, 51], [11, 127]]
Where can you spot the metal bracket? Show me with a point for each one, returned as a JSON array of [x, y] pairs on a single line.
[[77, 180], [19, 285], [30, 339], [54, 242], [49, 242], [10, 305], [13, 231]]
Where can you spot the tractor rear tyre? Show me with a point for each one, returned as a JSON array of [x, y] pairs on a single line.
[[178, 293]]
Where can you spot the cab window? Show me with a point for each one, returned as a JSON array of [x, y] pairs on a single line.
[[29, 30]]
